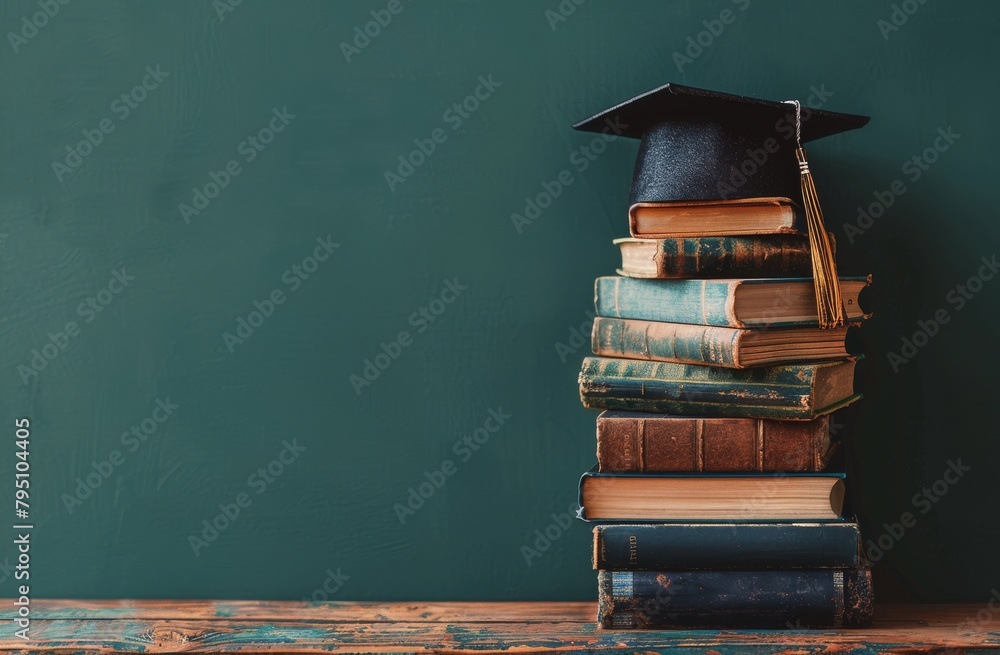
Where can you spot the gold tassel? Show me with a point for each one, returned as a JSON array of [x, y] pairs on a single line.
[[829, 301]]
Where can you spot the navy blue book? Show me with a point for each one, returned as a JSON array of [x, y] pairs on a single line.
[[726, 546], [828, 598]]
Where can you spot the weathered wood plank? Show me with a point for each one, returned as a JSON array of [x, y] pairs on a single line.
[[367, 612], [430, 611], [170, 636], [460, 628]]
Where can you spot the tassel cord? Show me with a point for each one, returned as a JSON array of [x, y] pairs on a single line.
[[829, 298]]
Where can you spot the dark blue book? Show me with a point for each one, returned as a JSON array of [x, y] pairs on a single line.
[[726, 546], [734, 599]]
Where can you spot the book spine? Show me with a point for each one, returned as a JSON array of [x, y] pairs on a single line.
[[734, 257], [665, 342], [635, 444], [780, 392], [699, 302], [681, 547], [711, 599], [859, 598]]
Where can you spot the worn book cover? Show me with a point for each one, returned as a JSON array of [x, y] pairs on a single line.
[[641, 442], [716, 257], [802, 391], [739, 303], [717, 599], [715, 346]]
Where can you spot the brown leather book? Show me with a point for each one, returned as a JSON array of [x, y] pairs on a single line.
[[631, 442], [700, 218]]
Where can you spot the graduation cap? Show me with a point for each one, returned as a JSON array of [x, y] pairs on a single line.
[[705, 145]]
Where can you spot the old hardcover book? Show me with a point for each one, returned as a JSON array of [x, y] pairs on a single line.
[[799, 391], [724, 303], [692, 218], [715, 346], [732, 599], [716, 257], [636, 442], [726, 546], [711, 497]]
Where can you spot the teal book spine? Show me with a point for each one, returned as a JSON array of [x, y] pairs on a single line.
[[714, 302], [677, 342], [778, 392], [701, 302]]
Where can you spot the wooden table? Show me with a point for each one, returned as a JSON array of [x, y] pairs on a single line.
[[294, 627]]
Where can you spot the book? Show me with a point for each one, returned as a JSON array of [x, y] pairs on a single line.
[[788, 391], [829, 598], [737, 216], [714, 346], [716, 257], [724, 303], [636, 442], [711, 497], [726, 546]]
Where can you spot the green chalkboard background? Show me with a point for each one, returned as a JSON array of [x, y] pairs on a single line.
[[506, 343]]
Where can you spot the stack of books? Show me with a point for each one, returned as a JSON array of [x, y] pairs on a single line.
[[717, 382]]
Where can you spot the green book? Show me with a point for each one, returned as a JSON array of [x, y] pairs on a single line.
[[799, 391]]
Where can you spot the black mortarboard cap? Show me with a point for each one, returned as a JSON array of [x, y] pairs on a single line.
[[705, 145]]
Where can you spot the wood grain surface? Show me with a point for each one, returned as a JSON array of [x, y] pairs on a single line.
[[60, 626]]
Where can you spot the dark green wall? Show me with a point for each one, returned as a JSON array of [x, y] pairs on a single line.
[[495, 347]]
